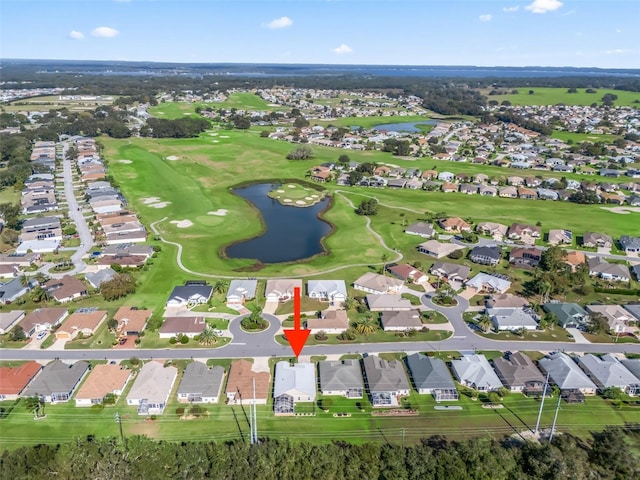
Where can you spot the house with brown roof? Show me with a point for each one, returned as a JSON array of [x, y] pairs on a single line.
[[103, 379], [519, 231], [408, 273], [593, 240], [131, 320], [454, 224], [14, 380], [375, 283], [518, 373], [281, 289], [399, 321], [81, 322], [330, 321], [43, 319], [506, 300], [496, 230], [66, 288], [437, 249], [574, 259], [527, 193], [449, 187], [189, 326], [525, 256], [241, 382]]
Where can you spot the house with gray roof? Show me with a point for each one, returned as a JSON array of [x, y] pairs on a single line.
[[570, 315], [486, 255], [453, 272], [506, 300], [152, 387], [559, 236], [485, 282], [519, 374], [512, 319], [334, 291], [96, 279], [12, 290], [293, 383], [378, 284], [475, 372], [633, 309], [190, 294], [566, 374], [241, 290], [437, 249], [400, 321], [200, 383], [341, 377], [431, 377], [607, 372], [599, 267], [630, 244], [9, 319], [594, 239], [386, 380], [57, 381], [633, 365], [381, 303]]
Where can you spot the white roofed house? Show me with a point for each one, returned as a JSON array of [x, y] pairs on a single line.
[[281, 289], [512, 319], [484, 282], [335, 291], [378, 284], [291, 384], [152, 387], [381, 303], [240, 291], [475, 371], [608, 372]]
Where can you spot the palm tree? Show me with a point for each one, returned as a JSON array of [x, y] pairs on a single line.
[[32, 404], [208, 337], [349, 303], [485, 322], [39, 294], [384, 259], [366, 325], [221, 286]]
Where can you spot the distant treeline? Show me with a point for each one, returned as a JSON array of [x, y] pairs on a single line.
[[609, 455], [180, 128]]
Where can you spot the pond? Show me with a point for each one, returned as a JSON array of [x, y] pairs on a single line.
[[404, 127], [290, 233]]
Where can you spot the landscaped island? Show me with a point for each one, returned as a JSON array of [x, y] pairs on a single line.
[[296, 194]]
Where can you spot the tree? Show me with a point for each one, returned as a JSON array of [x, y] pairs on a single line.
[[301, 153], [552, 259], [112, 324], [344, 159], [221, 286], [597, 324], [208, 337], [34, 404], [485, 323], [349, 303], [119, 286], [366, 325], [17, 334], [368, 207], [40, 294], [301, 122], [613, 393]]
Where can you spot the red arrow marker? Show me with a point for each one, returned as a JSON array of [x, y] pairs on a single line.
[[296, 337]]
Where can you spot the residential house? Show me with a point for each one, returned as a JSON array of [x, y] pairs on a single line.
[[408, 273], [607, 372], [506, 300], [630, 244], [20, 260], [385, 302], [44, 228], [475, 372], [43, 319], [246, 384], [453, 272], [574, 259], [386, 380], [485, 282], [636, 270], [57, 381], [96, 279], [431, 377], [378, 284], [512, 319], [486, 255], [293, 383], [508, 192], [633, 365], [437, 249], [488, 191], [152, 387], [281, 289], [599, 240], [104, 379], [421, 229], [190, 294], [14, 380], [200, 383], [566, 374], [341, 377], [518, 373], [617, 317], [468, 188], [449, 187], [241, 290], [82, 322], [570, 315], [131, 320], [560, 237], [12, 290], [599, 267], [446, 176], [189, 326], [400, 321], [527, 193], [330, 321], [525, 256], [9, 319], [65, 289], [454, 224], [335, 291], [495, 230], [515, 181], [519, 231]]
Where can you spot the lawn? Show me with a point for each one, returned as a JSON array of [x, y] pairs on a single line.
[[369, 122], [553, 96], [555, 335], [52, 102], [239, 101], [378, 336], [9, 195], [583, 137]]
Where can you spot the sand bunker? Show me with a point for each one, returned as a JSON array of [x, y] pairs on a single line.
[[150, 200], [225, 136], [172, 158], [291, 186], [221, 212], [308, 198], [287, 200], [124, 161], [314, 196], [159, 204], [216, 141], [280, 191], [622, 210], [300, 202], [213, 134], [182, 223]]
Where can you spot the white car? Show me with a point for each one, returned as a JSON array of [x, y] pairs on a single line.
[[41, 335]]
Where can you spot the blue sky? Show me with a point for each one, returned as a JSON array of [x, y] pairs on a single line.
[[579, 33]]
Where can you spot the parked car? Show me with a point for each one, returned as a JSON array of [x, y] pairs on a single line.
[[41, 335]]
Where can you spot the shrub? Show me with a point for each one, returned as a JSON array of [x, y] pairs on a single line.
[[321, 336], [180, 411], [184, 340], [456, 255], [173, 340], [326, 403]]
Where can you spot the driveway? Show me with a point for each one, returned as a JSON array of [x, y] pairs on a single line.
[[577, 335]]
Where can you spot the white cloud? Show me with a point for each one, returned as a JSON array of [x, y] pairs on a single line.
[[342, 49], [76, 35], [282, 22], [544, 6], [618, 51], [486, 17], [105, 32], [511, 9], [618, 30]]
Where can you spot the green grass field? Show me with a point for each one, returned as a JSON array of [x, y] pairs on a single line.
[[583, 137], [553, 96], [239, 101], [52, 102]]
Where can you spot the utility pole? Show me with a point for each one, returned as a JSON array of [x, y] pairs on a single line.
[[555, 417], [403, 432], [119, 422], [255, 414], [544, 394]]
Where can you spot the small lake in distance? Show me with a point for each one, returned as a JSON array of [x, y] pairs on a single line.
[[404, 127], [291, 233]]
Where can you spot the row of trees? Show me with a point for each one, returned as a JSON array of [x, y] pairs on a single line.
[[179, 128], [607, 455]]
